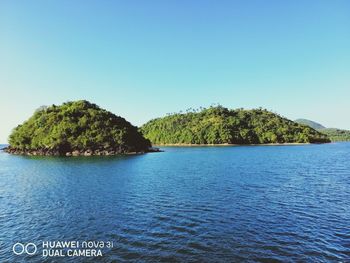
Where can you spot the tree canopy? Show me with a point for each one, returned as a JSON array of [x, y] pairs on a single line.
[[77, 125], [219, 125], [336, 135]]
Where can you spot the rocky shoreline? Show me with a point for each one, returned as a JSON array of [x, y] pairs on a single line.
[[84, 152]]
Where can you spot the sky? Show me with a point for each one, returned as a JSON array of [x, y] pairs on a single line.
[[143, 59]]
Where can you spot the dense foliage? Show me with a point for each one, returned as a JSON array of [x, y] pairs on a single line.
[[336, 134], [77, 125], [219, 125]]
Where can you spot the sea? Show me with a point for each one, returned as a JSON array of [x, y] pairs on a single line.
[[186, 204]]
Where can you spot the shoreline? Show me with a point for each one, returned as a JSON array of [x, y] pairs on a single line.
[[75, 153], [230, 145], [154, 148]]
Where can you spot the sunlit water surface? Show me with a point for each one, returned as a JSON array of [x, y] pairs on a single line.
[[203, 204]]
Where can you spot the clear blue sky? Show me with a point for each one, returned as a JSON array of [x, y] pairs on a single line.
[[143, 59]]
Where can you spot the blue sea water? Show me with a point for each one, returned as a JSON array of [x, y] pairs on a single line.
[[187, 204]]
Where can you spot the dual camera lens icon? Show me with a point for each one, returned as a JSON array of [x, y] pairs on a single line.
[[29, 248]]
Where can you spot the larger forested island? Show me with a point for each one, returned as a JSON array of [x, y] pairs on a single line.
[[219, 125], [76, 128]]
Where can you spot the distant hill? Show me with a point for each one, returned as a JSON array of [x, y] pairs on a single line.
[[219, 125], [312, 124], [334, 134]]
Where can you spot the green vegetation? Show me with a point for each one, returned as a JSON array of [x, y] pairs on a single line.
[[336, 135], [76, 126], [312, 124], [219, 125]]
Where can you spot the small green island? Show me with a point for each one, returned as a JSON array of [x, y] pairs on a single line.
[[78, 128], [219, 125]]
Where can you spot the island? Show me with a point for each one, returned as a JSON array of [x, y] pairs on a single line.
[[334, 134], [77, 128], [218, 125]]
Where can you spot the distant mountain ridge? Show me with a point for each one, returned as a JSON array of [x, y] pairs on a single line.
[[334, 134], [312, 124]]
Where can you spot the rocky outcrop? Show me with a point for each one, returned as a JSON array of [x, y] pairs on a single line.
[[87, 152], [38, 152]]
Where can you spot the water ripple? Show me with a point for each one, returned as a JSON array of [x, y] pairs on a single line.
[[231, 204]]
